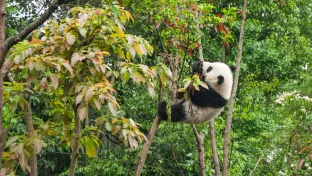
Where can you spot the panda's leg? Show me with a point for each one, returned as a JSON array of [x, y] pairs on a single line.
[[162, 110], [178, 112]]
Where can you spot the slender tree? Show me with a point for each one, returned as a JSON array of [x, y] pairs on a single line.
[[200, 136], [232, 100], [2, 39], [5, 46]]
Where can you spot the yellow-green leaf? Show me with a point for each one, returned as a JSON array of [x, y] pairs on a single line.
[[90, 147], [109, 126]]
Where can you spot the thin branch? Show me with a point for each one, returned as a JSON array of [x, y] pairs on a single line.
[[200, 149], [34, 25], [147, 144], [175, 159], [251, 172], [214, 148], [232, 100]]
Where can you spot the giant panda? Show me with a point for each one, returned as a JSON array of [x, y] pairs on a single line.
[[204, 104]]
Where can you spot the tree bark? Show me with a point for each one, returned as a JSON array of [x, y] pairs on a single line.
[[2, 39], [199, 137], [232, 100], [175, 66], [75, 146], [200, 149], [223, 53], [214, 148], [157, 120], [34, 25], [147, 144], [30, 134]]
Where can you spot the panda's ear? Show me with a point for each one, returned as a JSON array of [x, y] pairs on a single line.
[[196, 67], [233, 67]]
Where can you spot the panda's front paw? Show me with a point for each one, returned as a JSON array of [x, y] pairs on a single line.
[[180, 95]]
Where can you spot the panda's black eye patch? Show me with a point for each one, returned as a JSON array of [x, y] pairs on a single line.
[[209, 69]]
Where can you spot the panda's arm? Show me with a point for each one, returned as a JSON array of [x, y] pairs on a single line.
[[207, 98]]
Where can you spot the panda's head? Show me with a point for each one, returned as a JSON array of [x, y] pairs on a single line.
[[217, 75]]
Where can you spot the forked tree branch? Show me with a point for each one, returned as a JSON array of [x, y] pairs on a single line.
[[232, 100]]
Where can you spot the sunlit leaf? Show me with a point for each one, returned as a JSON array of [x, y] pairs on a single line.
[[70, 38], [79, 97], [113, 108], [68, 67], [97, 104], [83, 112], [54, 80], [109, 126], [89, 93]]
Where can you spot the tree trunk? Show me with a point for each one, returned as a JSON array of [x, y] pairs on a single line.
[[2, 39], [175, 66], [30, 134], [201, 151], [157, 120], [147, 144], [214, 148], [232, 100], [223, 53], [75, 146], [199, 137]]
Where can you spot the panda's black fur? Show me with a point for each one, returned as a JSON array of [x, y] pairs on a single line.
[[204, 104]]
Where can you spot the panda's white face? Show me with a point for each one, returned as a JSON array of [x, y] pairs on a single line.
[[219, 76]]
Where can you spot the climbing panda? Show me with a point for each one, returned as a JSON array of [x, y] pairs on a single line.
[[204, 104]]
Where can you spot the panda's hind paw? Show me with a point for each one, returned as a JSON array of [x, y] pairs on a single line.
[[162, 110]]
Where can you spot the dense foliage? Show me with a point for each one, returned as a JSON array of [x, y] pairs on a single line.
[[102, 67]]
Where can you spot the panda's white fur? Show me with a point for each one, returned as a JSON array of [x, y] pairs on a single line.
[[204, 104], [211, 78]]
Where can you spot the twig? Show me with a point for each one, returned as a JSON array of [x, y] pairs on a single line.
[[175, 159], [251, 172]]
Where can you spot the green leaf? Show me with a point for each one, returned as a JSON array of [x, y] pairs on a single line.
[[126, 76], [115, 10], [83, 32]]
